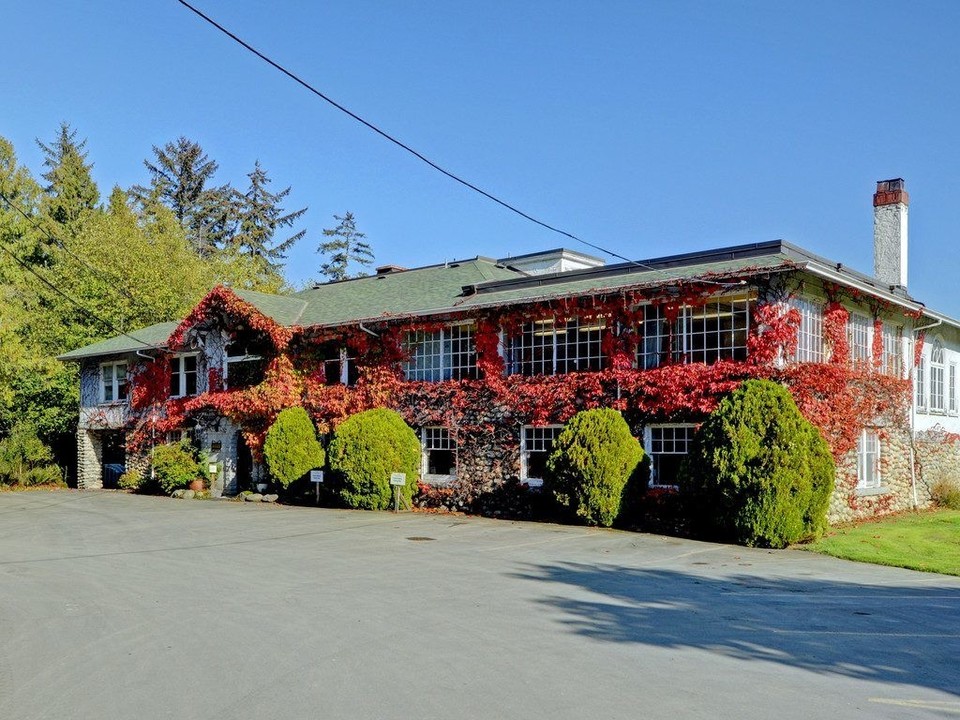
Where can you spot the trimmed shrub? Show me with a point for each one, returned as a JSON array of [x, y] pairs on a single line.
[[591, 461], [175, 466], [130, 480], [758, 472], [25, 460], [365, 449], [291, 448]]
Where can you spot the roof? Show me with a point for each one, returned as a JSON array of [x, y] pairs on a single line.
[[483, 282]]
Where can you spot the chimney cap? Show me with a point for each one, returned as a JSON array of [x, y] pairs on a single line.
[[891, 192]]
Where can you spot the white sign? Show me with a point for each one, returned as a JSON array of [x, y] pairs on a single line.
[[316, 476], [212, 468], [398, 478]]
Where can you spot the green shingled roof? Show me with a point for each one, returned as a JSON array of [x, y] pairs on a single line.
[[146, 338]]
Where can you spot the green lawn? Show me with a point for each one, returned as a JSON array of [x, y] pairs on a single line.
[[927, 541]]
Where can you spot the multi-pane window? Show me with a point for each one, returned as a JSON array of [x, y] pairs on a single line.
[[667, 446], [937, 377], [331, 356], [858, 337], [446, 354], [892, 349], [113, 382], [245, 366], [439, 453], [810, 332], [952, 389], [536, 443], [546, 347], [868, 459], [920, 384], [714, 331], [183, 375]]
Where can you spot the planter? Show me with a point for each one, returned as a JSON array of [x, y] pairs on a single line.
[[196, 485]]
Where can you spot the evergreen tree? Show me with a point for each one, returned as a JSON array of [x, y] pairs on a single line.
[[260, 216], [181, 178], [71, 192], [345, 245]]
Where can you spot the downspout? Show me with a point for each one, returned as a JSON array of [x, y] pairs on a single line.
[[913, 417], [367, 330]]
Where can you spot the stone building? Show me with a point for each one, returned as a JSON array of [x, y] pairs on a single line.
[[487, 359]]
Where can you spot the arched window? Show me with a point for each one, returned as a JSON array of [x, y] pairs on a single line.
[[937, 373]]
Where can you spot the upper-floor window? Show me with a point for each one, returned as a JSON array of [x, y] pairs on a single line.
[[937, 377], [810, 332], [714, 331], [244, 367], [858, 337], [446, 354], [892, 361], [113, 382], [952, 389], [536, 444], [547, 347], [183, 375], [920, 384]]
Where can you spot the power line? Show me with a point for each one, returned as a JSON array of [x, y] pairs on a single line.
[[297, 79]]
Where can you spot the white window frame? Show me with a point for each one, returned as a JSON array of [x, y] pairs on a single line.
[[450, 364], [228, 360], [868, 444], [952, 408], [179, 360], [810, 332], [938, 373], [117, 381], [920, 384], [558, 334], [892, 350], [860, 337], [448, 438], [525, 451], [648, 447], [730, 344]]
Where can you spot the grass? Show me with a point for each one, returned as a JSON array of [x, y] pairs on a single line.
[[928, 541]]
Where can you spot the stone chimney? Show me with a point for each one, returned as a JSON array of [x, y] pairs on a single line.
[[890, 212]]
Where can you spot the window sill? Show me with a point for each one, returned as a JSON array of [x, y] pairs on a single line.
[[438, 479], [112, 403], [532, 483], [868, 491]]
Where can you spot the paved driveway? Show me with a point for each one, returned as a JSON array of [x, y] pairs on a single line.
[[116, 606]]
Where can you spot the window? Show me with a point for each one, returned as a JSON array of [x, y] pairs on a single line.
[[920, 384], [952, 389], [183, 376], [858, 337], [439, 454], [893, 349], [545, 347], [536, 443], [705, 334], [245, 367], [446, 354], [810, 332], [868, 460], [113, 382], [937, 372], [667, 445]]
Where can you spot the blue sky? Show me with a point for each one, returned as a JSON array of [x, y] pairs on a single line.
[[646, 127]]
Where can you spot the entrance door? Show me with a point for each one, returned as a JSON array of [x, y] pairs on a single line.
[[113, 458], [244, 465]]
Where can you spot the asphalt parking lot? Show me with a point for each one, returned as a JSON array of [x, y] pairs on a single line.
[[119, 606]]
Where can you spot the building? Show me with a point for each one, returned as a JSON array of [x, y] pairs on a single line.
[[487, 359]]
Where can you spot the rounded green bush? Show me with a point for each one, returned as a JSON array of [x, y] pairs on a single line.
[[758, 472], [175, 466], [365, 449], [291, 448], [591, 461]]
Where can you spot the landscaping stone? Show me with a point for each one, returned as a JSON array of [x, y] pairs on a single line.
[[270, 498], [178, 494], [253, 497], [188, 494]]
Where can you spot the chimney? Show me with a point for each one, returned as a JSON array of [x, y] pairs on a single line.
[[389, 269], [890, 210]]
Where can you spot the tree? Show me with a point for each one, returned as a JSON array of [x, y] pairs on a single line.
[[181, 178], [758, 472], [346, 245], [260, 216], [70, 193], [291, 448]]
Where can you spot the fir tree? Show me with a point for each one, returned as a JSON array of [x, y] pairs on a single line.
[[71, 192], [345, 245], [260, 217]]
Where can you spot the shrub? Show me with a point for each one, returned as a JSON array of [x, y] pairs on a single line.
[[591, 461], [365, 449], [758, 472], [175, 466], [946, 494], [130, 480], [25, 460], [291, 448]]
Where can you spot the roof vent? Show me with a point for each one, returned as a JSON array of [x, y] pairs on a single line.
[[389, 269]]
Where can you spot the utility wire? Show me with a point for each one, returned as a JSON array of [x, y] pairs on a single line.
[[113, 281], [297, 79]]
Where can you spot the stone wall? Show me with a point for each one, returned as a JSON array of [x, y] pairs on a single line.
[[938, 460], [89, 464]]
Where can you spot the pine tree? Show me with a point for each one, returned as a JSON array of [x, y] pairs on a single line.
[[260, 216], [346, 245], [181, 178], [71, 193]]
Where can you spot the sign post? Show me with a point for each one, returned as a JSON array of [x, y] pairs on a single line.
[[397, 481], [316, 477]]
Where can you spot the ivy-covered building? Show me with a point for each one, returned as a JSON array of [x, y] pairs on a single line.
[[488, 358]]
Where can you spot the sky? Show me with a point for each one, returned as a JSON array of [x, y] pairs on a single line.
[[648, 128]]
